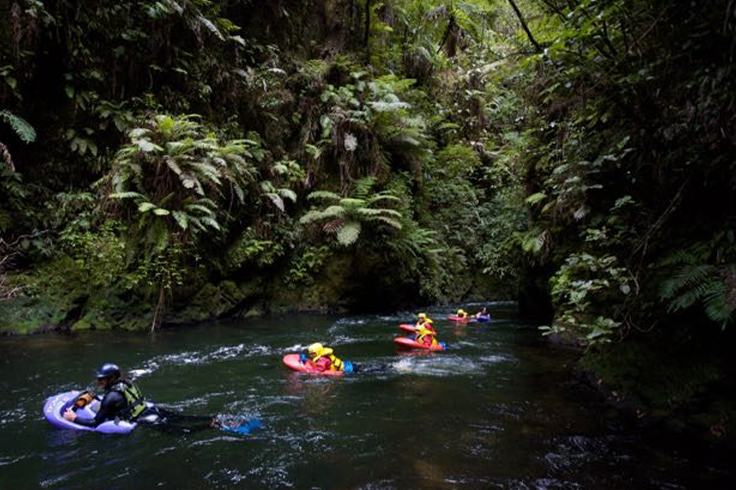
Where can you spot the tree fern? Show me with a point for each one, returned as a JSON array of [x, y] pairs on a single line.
[[178, 178], [345, 215]]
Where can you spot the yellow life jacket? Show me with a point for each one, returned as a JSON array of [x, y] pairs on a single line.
[[337, 364], [423, 332], [133, 397]]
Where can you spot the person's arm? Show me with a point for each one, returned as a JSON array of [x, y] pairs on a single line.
[[111, 405]]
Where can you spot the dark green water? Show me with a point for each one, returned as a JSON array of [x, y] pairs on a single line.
[[499, 410]]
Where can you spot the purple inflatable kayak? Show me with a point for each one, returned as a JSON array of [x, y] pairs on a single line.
[[55, 406]]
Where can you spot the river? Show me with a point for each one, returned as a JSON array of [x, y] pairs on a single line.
[[500, 409]]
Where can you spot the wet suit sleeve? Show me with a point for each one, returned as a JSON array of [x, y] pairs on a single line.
[[112, 404]]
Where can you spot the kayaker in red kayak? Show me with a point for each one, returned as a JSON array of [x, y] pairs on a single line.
[[426, 337], [323, 359]]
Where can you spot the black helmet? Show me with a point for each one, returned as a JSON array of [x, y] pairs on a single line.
[[108, 370]]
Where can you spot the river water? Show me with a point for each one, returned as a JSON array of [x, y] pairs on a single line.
[[499, 409]]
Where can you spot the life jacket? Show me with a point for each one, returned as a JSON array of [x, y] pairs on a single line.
[[423, 333], [133, 397], [425, 324], [337, 364]]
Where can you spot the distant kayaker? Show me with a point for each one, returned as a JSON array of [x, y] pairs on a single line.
[[461, 314]]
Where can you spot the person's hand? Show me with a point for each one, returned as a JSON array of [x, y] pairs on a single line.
[[70, 415]]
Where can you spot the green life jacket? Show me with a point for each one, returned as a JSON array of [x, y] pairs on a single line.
[[133, 397]]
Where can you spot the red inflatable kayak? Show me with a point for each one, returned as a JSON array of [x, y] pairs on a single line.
[[408, 327], [413, 344], [292, 362], [454, 318]]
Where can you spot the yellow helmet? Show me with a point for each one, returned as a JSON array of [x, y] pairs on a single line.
[[315, 349], [460, 311], [422, 315]]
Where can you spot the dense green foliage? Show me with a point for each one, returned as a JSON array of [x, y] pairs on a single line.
[[176, 161], [187, 157]]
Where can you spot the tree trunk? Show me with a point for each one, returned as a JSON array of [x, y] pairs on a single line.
[[159, 307], [367, 39]]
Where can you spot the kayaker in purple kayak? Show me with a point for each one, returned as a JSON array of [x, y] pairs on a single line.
[[123, 400]]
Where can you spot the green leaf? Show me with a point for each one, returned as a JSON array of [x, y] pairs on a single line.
[[181, 219], [161, 212], [535, 198], [145, 207]]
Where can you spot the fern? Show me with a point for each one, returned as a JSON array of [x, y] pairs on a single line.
[[21, 127], [693, 279]]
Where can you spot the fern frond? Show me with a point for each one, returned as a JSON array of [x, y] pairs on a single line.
[[384, 196], [363, 186], [333, 212], [352, 202], [276, 200], [348, 233], [323, 195], [181, 219], [126, 195], [687, 276], [310, 217], [20, 126], [287, 194], [389, 221], [209, 171]]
